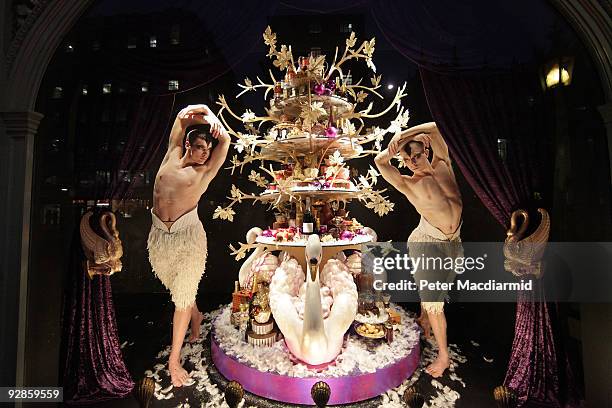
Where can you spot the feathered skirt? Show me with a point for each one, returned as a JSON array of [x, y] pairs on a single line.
[[430, 244], [178, 256]]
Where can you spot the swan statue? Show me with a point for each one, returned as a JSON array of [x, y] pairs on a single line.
[[313, 336], [260, 262], [523, 255], [103, 253]]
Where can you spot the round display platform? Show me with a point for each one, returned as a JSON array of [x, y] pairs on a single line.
[[328, 194], [357, 240], [294, 105], [364, 369], [306, 145]]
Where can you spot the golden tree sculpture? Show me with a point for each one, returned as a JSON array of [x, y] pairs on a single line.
[[315, 121]]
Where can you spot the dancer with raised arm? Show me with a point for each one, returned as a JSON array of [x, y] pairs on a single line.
[[433, 191], [177, 241]]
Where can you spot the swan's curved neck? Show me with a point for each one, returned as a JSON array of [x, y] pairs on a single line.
[[246, 265], [313, 312]]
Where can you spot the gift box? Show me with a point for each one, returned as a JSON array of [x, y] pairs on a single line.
[[394, 317], [238, 298]]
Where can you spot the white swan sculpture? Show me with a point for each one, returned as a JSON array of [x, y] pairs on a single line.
[[260, 262], [315, 339]]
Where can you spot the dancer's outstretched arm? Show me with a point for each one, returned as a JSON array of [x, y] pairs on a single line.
[[191, 115], [389, 172], [429, 134], [219, 153]]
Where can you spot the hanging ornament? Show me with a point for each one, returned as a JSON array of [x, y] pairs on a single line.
[[319, 89]]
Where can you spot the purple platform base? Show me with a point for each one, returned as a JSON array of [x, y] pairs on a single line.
[[296, 390]]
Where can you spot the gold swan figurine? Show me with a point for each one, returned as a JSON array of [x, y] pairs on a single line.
[[103, 253], [524, 255]]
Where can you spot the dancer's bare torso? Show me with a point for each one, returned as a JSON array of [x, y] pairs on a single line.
[[436, 197], [177, 190]]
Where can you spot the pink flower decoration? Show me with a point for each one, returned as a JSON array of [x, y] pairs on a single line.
[[348, 235], [331, 132]]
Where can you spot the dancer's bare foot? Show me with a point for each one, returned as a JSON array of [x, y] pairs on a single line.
[[178, 374], [196, 322], [423, 321], [440, 364]]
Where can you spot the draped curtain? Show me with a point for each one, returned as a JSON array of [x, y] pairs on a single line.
[[475, 113], [93, 367]]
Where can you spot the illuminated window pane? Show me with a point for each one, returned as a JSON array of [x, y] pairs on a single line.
[[131, 43], [173, 85], [84, 90], [144, 87], [153, 41], [346, 28], [106, 88], [58, 91], [554, 76]]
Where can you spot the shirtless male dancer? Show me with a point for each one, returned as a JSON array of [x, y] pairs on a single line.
[[432, 190], [177, 241]]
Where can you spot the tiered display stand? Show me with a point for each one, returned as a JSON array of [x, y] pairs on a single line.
[[311, 133]]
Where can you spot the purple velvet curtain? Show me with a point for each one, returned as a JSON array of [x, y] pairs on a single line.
[[538, 367], [474, 96], [474, 112], [144, 144], [93, 369]]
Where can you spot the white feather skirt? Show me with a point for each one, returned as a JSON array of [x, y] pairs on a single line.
[[422, 241], [178, 256]]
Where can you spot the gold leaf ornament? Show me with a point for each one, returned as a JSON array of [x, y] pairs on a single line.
[[236, 193], [258, 179], [311, 113], [361, 96], [224, 213], [368, 47], [248, 116], [336, 159], [269, 38], [350, 42], [283, 57], [375, 80], [317, 64]]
